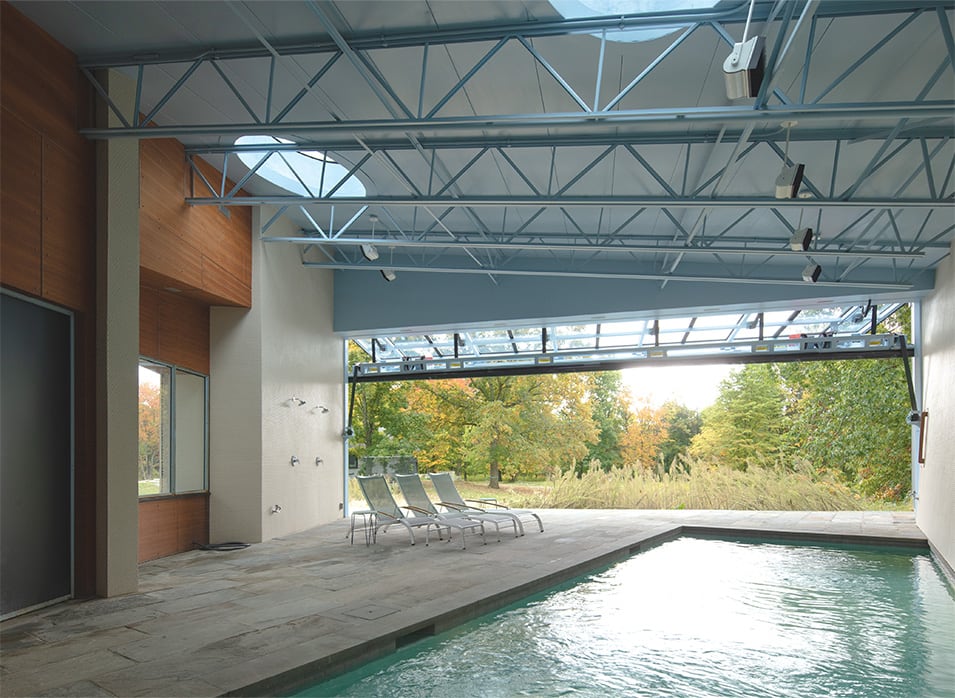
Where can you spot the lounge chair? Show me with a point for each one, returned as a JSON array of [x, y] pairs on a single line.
[[418, 501], [422, 506], [450, 497], [388, 513]]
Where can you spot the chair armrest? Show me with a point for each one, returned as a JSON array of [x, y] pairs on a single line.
[[455, 507], [419, 510], [487, 502]]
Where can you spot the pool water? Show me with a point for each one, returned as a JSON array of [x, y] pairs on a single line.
[[700, 617]]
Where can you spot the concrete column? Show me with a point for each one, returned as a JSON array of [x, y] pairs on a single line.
[[117, 357]]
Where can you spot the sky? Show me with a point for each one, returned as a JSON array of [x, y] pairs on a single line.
[[695, 386]]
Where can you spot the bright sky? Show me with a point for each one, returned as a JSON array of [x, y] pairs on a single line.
[[695, 386]]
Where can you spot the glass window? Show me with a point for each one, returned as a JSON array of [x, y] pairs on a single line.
[[172, 430]]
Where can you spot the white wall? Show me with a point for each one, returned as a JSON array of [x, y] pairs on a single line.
[[117, 356], [282, 348], [936, 506]]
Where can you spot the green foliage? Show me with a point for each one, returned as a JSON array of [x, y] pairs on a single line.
[[610, 409], [847, 418], [682, 424], [746, 424]]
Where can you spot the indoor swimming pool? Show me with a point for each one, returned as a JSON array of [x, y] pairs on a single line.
[[700, 617]]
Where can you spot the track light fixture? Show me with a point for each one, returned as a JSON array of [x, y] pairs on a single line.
[[389, 274], [801, 240], [811, 273], [369, 251], [790, 177], [743, 69]]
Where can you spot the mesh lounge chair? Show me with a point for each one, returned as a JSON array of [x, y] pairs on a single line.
[[461, 523], [418, 500], [387, 512], [450, 497]]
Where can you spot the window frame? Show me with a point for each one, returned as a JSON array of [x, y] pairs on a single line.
[[173, 370]]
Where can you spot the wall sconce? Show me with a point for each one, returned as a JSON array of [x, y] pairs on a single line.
[[294, 461], [318, 461], [295, 401], [275, 509]]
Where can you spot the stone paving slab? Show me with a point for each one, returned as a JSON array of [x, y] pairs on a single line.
[[278, 614]]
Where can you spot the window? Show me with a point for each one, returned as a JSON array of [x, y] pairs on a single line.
[[172, 429], [581, 9]]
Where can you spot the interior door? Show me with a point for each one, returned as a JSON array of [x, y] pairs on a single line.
[[36, 446]]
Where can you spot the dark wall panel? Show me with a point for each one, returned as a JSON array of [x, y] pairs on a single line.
[[35, 455]]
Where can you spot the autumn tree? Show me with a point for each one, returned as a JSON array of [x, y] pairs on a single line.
[[645, 436], [150, 430], [515, 426]]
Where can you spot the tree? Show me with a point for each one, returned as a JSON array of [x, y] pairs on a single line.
[[610, 409], [646, 433], [379, 417], [682, 424], [746, 424], [513, 426], [150, 430], [848, 417]]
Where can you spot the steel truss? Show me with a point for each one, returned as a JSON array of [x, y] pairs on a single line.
[[543, 175]]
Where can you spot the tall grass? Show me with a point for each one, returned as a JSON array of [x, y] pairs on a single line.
[[697, 487]]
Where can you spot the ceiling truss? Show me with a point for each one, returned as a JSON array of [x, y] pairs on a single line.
[[556, 203]]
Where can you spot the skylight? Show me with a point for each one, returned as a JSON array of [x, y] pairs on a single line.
[[299, 172], [584, 9]]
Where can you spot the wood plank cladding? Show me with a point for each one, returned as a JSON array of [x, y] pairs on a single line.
[[47, 212], [174, 329], [170, 525], [196, 249], [48, 225]]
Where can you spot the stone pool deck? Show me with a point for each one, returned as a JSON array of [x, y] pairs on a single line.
[[277, 615]]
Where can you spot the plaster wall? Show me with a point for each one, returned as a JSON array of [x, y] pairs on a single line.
[[936, 505], [301, 358], [117, 354], [282, 348]]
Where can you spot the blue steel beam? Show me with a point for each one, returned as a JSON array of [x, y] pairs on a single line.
[[577, 201]]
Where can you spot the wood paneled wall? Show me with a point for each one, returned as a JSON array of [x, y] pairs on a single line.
[[174, 329], [198, 250], [48, 225], [171, 525]]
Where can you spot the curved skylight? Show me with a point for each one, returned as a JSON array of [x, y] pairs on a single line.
[[583, 9], [300, 172]]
